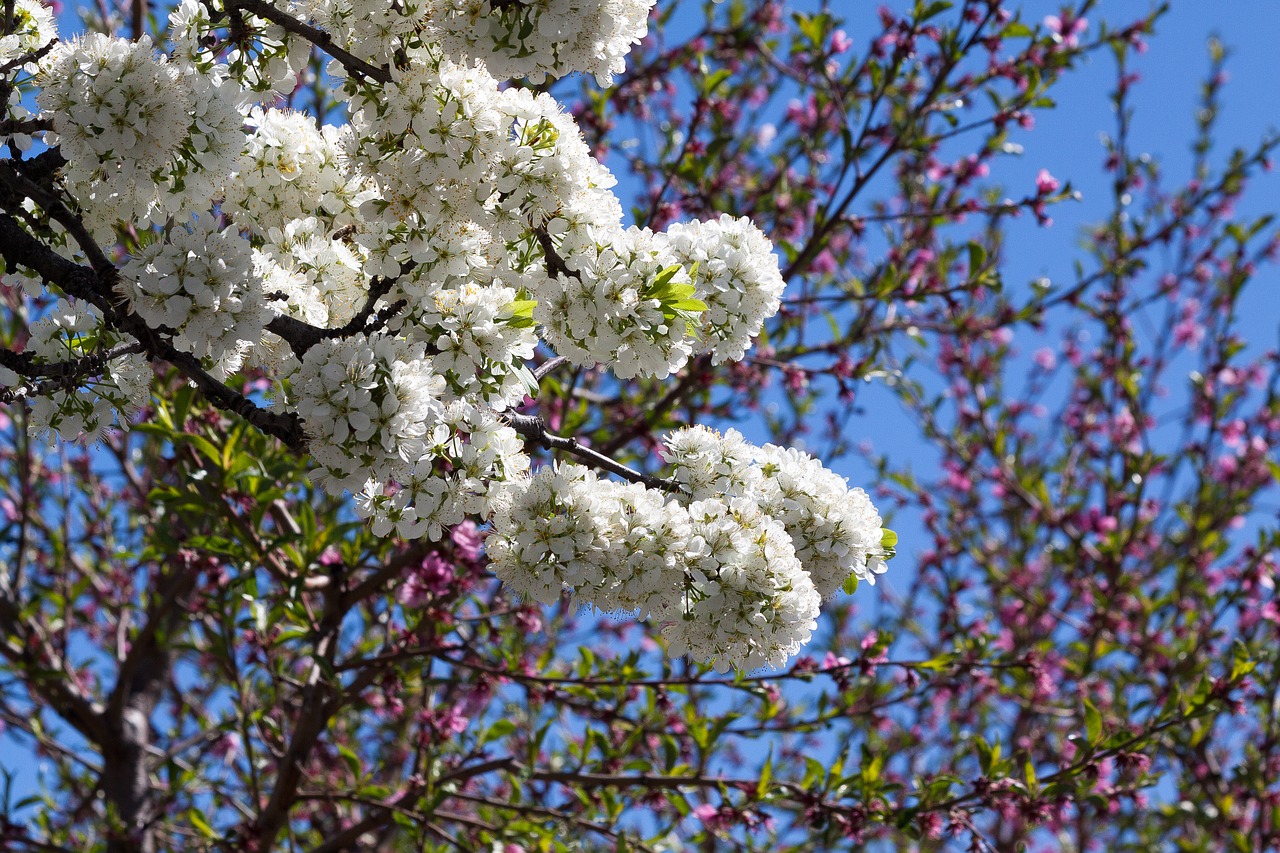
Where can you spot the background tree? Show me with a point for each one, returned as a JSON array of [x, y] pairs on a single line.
[[207, 652]]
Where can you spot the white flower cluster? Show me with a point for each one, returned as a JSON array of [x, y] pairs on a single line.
[[371, 404], [290, 170], [737, 277], [481, 455], [623, 299], [199, 283], [32, 28], [535, 39], [735, 566], [266, 60], [746, 599], [329, 271], [70, 332], [618, 546], [371, 30], [479, 349], [836, 531], [130, 124], [391, 279]]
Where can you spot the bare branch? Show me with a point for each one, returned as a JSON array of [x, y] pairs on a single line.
[[532, 428]]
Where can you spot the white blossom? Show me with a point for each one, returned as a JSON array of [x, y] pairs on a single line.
[[555, 533], [737, 277], [611, 304], [31, 28], [120, 111], [709, 464], [746, 601], [650, 558], [370, 404], [68, 333], [836, 531], [372, 31], [535, 39], [199, 281], [289, 170], [481, 454]]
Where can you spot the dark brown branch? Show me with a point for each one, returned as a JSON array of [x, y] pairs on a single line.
[[19, 248], [318, 702], [303, 336], [26, 365], [42, 167], [548, 366], [29, 125], [34, 655], [531, 428], [19, 186], [140, 682], [555, 264], [319, 38], [24, 59]]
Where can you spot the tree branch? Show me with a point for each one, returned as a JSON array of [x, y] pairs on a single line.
[[532, 428], [34, 655], [315, 709], [319, 38], [25, 363], [19, 248], [303, 336]]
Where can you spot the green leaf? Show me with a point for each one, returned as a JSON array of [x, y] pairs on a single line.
[[933, 9], [349, 756], [202, 826], [872, 765], [521, 308], [1092, 723], [937, 664], [712, 81], [988, 755], [1241, 663], [688, 306], [814, 771], [850, 585], [766, 775], [977, 258], [499, 729]]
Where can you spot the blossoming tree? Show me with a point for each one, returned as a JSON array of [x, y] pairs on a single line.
[[343, 399]]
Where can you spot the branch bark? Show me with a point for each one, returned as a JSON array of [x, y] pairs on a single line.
[[532, 428], [18, 248]]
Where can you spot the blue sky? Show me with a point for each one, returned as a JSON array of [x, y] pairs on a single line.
[[1067, 141]]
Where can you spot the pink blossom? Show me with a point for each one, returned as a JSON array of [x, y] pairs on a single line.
[[452, 721], [466, 536], [1046, 183], [1188, 332], [1067, 29], [831, 661]]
